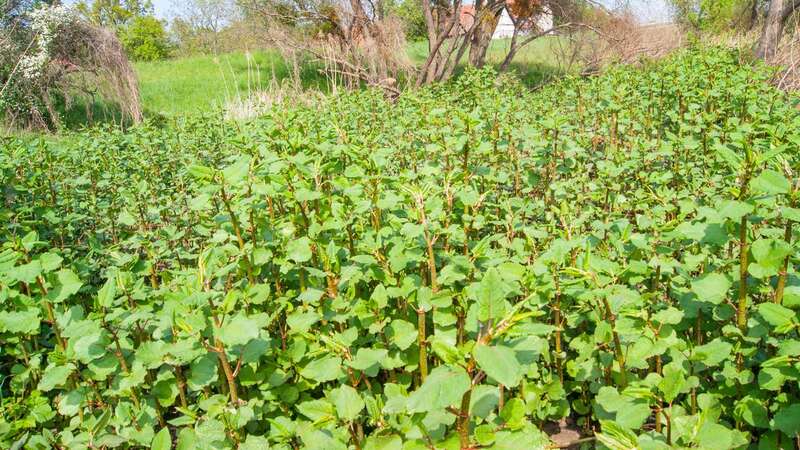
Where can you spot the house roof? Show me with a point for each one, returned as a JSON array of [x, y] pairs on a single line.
[[467, 12], [467, 16]]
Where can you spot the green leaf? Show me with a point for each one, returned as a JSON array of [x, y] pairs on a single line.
[[713, 436], [771, 182], [203, 371], [712, 288], [781, 318], [391, 442], [310, 296], [769, 255], [316, 409], [162, 440], [68, 285], [90, 347], [615, 437], [236, 172], [70, 404], [731, 158], [513, 413], [55, 376], [253, 442], [107, 293], [316, 439], [712, 353], [20, 322], [485, 434], [50, 261], [500, 363], [238, 330], [402, 333], [126, 218], [753, 412], [491, 295], [201, 172], [787, 420], [102, 422], [444, 349], [299, 250], [672, 382], [733, 209], [347, 402], [792, 214], [444, 387], [669, 316], [324, 369], [26, 273], [368, 360]]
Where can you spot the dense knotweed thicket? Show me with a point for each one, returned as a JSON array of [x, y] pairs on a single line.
[[462, 268]]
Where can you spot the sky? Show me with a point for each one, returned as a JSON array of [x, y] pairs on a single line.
[[647, 11]]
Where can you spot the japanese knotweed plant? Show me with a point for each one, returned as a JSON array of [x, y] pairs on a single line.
[[472, 266]]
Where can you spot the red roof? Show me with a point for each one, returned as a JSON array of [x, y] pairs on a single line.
[[467, 16]]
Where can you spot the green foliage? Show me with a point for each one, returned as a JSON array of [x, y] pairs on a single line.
[[114, 13], [455, 268], [718, 15], [145, 39], [410, 14]]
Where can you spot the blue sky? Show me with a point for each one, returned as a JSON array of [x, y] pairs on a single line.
[[646, 10]]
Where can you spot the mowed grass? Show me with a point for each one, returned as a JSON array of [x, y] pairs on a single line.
[[201, 83]]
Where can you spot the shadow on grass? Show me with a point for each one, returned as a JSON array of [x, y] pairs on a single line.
[[535, 74]]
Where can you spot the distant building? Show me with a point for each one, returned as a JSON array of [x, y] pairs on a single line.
[[505, 26]]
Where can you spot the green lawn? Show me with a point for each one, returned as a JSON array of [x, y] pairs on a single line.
[[200, 83]]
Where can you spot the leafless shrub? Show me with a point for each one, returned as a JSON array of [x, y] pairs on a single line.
[[603, 39], [96, 65], [787, 58], [376, 56]]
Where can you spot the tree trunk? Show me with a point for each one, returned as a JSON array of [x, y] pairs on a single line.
[[487, 18], [777, 14], [358, 26], [440, 23], [512, 51], [753, 18]]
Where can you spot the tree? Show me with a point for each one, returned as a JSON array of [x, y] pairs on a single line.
[[202, 21], [410, 14], [450, 30], [487, 17], [450, 35], [142, 34], [114, 13], [778, 13], [145, 39], [718, 15]]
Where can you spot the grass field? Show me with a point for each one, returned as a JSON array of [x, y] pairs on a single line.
[[200, 83]]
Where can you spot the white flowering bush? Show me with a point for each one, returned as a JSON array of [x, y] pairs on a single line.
[[46, 23], [40, 55], [25, 63]]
